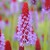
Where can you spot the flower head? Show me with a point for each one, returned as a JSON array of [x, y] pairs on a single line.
[[8, 45], [25, 10], [2, 23], [2, 41]]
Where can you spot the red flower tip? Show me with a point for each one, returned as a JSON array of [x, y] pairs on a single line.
[[47, 4], [0, 18], [8, 45], [21, 47], [38, 46], [25, 10], [14, 0], [0, 32], [6, 21]]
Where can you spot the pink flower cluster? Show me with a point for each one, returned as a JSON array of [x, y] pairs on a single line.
[[24, 32], [2, 42]]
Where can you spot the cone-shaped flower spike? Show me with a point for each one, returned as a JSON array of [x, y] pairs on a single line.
[[47, 4], [2, 23], [38, 46], [25, 33], [8, 45], [2, 41]]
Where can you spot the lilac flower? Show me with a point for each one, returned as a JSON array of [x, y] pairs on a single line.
[[14, 7], [2, 23], [2, 41]]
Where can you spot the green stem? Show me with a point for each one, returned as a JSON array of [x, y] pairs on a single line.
[[45, 35]]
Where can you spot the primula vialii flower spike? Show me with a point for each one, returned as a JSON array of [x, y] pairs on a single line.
[[0, 32], [2, 23], [0, 18], [14, 6], [21, 47], [38, 46], [14, 0], [24, 31], [2, 41], [8, 45], [47, 4], [7, 21]]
